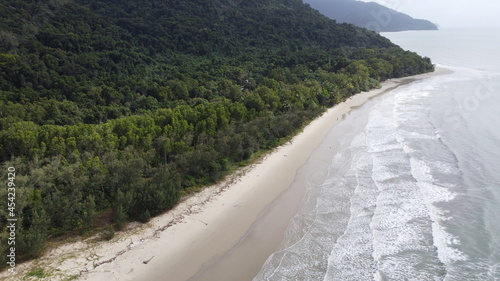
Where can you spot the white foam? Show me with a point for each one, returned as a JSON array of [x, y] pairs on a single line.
[[419, 133], [313, 231], [445, 243], [401, 224], [443, 240], [432, 192], [350, 258]]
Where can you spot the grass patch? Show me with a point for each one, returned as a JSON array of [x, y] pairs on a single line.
[[71, 277], [36, 272]]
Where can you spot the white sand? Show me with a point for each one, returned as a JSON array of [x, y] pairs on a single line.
[[194, 236]]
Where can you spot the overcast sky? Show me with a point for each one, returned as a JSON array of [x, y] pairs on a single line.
[[449, 13]]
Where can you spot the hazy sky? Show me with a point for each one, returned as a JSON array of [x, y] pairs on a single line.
[[449, 13]]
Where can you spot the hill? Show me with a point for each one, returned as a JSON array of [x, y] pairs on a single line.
[[370, 15], [110, 111]]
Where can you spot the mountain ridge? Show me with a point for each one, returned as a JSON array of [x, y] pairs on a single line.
[[370, 15]]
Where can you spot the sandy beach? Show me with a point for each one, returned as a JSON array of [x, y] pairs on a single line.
[[226, 232]]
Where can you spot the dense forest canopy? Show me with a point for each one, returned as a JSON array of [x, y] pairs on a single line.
[[110, 111]]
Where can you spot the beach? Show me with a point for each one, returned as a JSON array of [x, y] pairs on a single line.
[[225, 232]]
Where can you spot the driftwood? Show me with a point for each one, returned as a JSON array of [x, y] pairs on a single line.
[[96, 264], [147, 261], [203, 222]]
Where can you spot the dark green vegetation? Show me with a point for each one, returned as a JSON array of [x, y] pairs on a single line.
[[112, 110], [370, 15]]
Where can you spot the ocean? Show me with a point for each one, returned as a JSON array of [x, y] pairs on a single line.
[[412, 191]]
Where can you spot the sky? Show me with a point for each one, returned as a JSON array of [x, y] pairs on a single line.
[[449, 13]]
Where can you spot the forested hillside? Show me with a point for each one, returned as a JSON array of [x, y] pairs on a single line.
[[110, 111]]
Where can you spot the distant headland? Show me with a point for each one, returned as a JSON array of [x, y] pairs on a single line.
[[370, 15]]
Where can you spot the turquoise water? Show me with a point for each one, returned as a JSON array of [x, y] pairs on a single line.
[[413, 191]]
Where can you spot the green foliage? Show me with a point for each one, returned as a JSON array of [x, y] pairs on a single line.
[[111, 110], [108, 233], [37, 272], [33, 237]]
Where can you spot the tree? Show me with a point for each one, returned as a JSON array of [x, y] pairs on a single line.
[[18, 139], [179, 89], [33, 235]]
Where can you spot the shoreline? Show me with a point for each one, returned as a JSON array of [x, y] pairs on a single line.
[[240, 221]]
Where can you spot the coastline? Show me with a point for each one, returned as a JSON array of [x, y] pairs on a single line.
[[240, 221]]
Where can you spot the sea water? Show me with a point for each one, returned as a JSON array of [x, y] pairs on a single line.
[[412, 191]]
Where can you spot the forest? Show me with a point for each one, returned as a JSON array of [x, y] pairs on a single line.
[[112, 111]]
